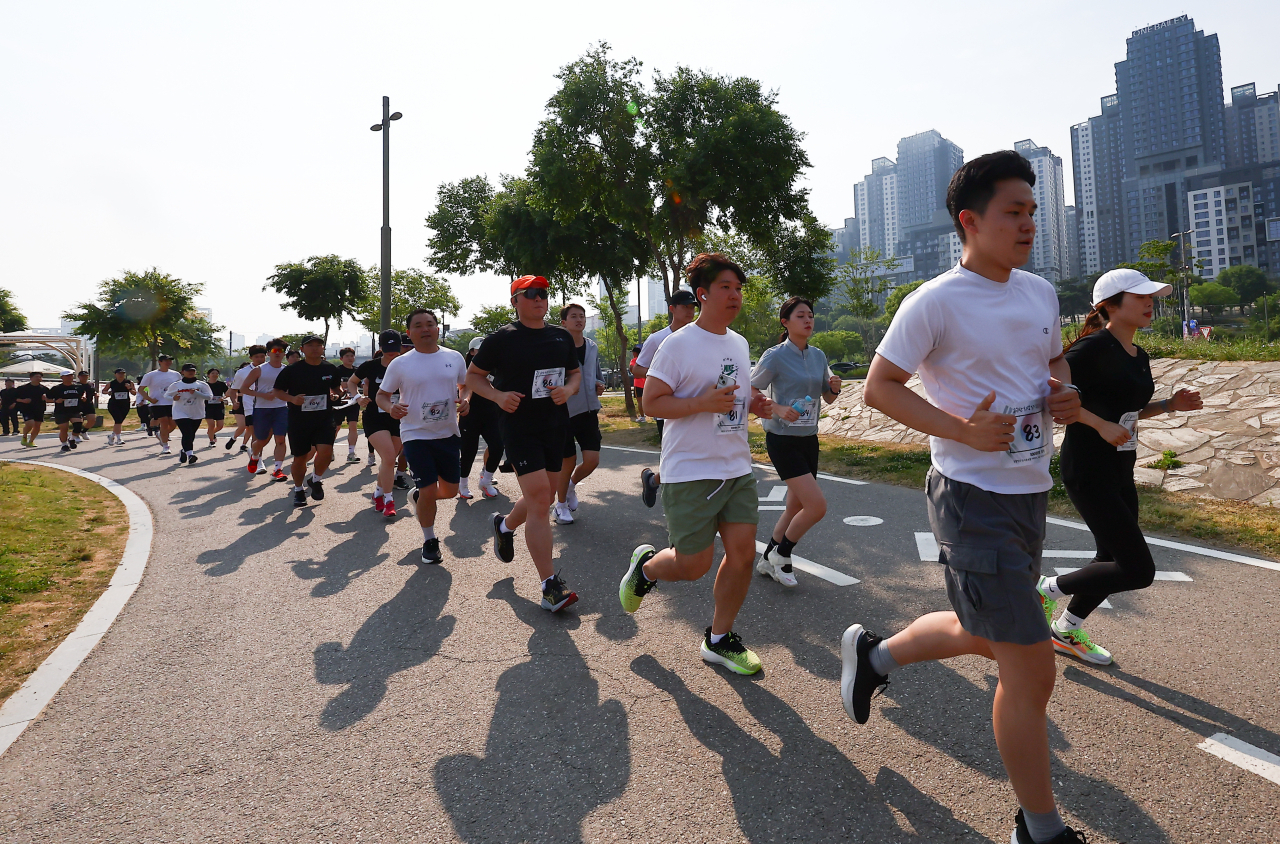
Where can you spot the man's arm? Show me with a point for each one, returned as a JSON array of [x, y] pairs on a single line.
[[661, 403], [1064, 402], [572, 383], [886, 390]]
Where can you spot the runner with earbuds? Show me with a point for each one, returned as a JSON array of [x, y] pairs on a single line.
[[1099, 453]]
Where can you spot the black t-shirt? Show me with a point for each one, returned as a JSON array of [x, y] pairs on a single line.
[[38, 393], [61, 393], [1112, 383], [7, 395], [113, 386], [372, 370], [219, 389], [88, 394], [346, 372], [515, 354], [303, 379]]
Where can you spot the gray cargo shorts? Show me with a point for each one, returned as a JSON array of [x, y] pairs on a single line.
[[991, 545]]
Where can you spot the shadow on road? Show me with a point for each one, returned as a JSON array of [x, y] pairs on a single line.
[[405, 631], [350, 558], [555, 752], [274, 528]]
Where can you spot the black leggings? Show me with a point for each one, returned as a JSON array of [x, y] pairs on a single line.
[[144, 416], [1109, 507], [488, 428], [188, 427]]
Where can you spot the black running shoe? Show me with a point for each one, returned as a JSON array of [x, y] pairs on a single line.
[[191, 459], [244, 447], [504, 544], [1022, 836], [230, 443], [431, 552], [316, 487], [648, 488], [182, 457], [401, 481], [556, 595], [71, 443], [858, 680], [66, 447], [299, 498]]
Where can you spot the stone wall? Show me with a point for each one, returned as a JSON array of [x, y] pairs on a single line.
[[1230, 449]]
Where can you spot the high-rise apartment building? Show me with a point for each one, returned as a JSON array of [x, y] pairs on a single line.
[[875, 203], [1049, 253], [1071, 266], [846, 240], [1098, 167], [926, 163], [1253, 126], [1236, 218]]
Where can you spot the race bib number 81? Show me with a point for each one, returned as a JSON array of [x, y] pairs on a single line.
[[1030, 436]]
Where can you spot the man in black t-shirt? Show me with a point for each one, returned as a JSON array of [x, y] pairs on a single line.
[[309, 387], [66, 408], [88, 402], [350, 415], [215, 410], [31, 399], [381, 429], [9, 407], [535, 370]]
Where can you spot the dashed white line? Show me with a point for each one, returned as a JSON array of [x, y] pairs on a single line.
[[1174, 576], [928, 547], [1194, 549], [778, 493], [1243, 755]]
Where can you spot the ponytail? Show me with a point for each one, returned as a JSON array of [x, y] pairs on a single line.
[[1097, 318]]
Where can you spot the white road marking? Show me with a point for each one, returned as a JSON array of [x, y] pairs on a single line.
[[1243, 755], [863, 521], [1175, 576], [840, 480], [636, 450], [928, 547], [816, 569], [1194, 549], [778, 493], [1075, 555], [772, 507], [26, 704]]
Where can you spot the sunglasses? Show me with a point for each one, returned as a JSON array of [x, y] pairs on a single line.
[[534, 293]]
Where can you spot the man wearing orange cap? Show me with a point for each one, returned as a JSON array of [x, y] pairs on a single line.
[[535, 370]]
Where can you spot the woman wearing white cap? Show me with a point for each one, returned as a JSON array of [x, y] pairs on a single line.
[[1099, 452]]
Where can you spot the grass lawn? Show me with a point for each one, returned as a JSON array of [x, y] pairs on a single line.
[[60, 541]]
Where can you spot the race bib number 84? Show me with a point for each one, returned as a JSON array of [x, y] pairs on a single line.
[[1030, 435]]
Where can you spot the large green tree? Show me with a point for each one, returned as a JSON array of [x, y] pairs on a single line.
[[492, 317], [410, 289], [151, 311], [1212, 297], [1248, 282], [894, 301], [323, 287], [11, 319], [862, 280]]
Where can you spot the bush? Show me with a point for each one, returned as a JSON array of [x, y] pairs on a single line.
[[1167, 326], [839, 345]]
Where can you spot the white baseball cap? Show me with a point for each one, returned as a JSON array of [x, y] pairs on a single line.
[[475, 343], [1127, 281]]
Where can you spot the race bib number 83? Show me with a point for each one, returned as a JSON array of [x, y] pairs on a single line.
[[1030, 435]]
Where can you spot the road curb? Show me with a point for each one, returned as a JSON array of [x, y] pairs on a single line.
[[26, 704]]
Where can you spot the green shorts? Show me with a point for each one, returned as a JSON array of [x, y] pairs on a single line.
[[695, 510]]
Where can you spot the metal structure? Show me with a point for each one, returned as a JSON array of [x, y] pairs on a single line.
[[385, 128], [78, 350]]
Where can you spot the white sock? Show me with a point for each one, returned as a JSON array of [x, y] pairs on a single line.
[[191, 454], [377, 492], [351, 449], [503, 527], [572, 486], [716, 637], [428, 532], [1068, 621], [486, 476], [297, 488], [1051, 590], [319, 476], [279, 465]]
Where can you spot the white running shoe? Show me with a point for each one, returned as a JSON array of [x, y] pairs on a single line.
[[352, 457], [164, 451], [561, 514], [770, 568], [488, 489], [111, 439], [463, 492], [373, 460], [571, 498]]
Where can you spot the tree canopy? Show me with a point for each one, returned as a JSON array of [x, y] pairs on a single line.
[[1212, 297], [323, 287], [894, 300], [410, 289], [1247, 281], [11, 319], [492, 317]]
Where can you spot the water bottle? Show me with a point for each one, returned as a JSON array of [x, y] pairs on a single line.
[[799, 404]]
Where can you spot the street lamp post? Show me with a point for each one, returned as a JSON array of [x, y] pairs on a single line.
[[385, 128]]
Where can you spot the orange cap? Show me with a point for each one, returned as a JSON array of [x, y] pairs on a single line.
[[526, 281]]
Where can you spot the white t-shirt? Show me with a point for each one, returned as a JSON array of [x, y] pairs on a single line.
[[705, 446], [967, 336], [156, 382], [428, 384], [266, 383], [650, 347], [237, 383], [188, 400]]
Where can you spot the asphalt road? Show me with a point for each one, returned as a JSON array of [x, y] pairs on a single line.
[[287, 675]]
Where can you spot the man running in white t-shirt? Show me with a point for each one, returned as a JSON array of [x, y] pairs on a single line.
[[682, 307], [270, 414], [152, 388], [986, 340]]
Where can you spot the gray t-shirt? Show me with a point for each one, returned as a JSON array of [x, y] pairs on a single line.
[[790, 374]]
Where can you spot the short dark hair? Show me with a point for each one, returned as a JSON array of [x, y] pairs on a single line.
[[83, 372], [257, 349], [408, 321], [346, 350], [213, 370], [564, 312], [706, 266], [974, 184], [293, 352], [277, 343]]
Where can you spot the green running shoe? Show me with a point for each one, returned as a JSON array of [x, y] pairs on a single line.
[[1050, 605], [635, 585], [1078, 644], [731, 653]]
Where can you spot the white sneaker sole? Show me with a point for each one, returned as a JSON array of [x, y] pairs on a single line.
[[766, 567], [709, 655], [849, 666]]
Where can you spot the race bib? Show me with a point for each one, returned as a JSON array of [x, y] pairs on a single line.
[[436, 411], [310, 404], [1130, 422], [70, 402], [808, 411], [120, 396], [546, 380], [1030, 438], [214, 400]]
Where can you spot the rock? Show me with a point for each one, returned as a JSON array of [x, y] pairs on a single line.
[[1190, 470], [1181, 484], [1238, 483], [1177, 439], [1270, 498], [1202, 453], [1148, 477]]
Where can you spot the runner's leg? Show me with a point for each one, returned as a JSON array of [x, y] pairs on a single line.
[[535, 497]]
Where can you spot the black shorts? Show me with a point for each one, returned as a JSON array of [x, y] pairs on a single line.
[[305, 435], [215, 411], [237, 408], [792, 456], [432, 460], [119, 412], [63, 418], [640, 392], [351, 415], [532, 448], [375, 421], [248, 421], [585, 430], [161, 411], [32, 414]]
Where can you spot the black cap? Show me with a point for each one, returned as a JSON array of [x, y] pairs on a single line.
[[310, 338], [165, 357], [120, 369], [682, 296], [187, 366], [636, 348], [389, 340]]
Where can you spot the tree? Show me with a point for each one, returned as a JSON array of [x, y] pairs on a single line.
[[1248, 282], [1212, 297], [862, 279], [838, 345], [323, 287], [1075, 297], [410, 289], [758, 321], [11, 319], [894, 301], [460, 242], [150, 310], [666, 163], [492, 317]]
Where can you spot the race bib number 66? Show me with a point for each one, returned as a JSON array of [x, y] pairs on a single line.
[[1030, 436]]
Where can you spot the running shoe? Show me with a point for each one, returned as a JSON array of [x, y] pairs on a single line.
[[299, 498], [373, 459], [635, 585], [560, 512], [464, 493], [389, 507], [66, 447], [119, 440], [72, 442], [379, 502], [556, 595], [151, 432], [1021, 835], [431, 552], [504, 544], [212, 444], [413, 501], [571, 498], [230, 443], [164, 452], [253, 465], [488, 489], [1050, 605], [780, 569], [648, 488], [1078, 644], [731, 653], [401, 481], [182, 457], [244, 448], [85, 436], [316, 487], [352, 457], [279, 475], [29, 443], [858, 680], [191, 459]]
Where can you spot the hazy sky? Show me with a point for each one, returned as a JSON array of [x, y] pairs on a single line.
[[216, 140]]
